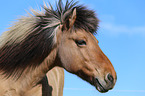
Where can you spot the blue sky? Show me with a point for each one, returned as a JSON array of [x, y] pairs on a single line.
[[121, 37]]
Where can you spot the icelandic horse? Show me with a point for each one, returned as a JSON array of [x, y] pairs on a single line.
[[61, 36]]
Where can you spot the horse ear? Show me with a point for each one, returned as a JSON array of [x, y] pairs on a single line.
[[72, 19], [68, 24]]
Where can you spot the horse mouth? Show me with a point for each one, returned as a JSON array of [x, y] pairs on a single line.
[[99, 86]]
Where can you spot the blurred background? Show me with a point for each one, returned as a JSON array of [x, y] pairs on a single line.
[[121, 36]]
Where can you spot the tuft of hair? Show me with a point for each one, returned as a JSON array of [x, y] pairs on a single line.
[[30, 40]]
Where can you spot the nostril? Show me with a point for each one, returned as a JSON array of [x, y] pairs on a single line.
[[110, 78]]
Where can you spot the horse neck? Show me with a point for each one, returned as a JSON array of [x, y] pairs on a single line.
[[33, 77]]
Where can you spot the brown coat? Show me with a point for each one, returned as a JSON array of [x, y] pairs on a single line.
[[51, 85]]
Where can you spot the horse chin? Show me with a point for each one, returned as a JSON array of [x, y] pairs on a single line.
[[99, 86], [93, 81]]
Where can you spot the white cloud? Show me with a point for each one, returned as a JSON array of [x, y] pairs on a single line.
[[115, 29]]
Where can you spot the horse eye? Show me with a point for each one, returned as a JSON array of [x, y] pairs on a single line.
[[80, 42]]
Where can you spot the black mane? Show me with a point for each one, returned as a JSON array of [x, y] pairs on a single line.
[[86, 19], [32, 49]]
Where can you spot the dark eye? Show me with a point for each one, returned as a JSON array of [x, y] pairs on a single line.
[[80, 42]]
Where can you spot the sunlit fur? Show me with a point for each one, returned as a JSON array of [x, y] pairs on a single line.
[[51, 85], [39, 42]]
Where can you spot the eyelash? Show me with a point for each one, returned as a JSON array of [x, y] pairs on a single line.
[[80, 42]]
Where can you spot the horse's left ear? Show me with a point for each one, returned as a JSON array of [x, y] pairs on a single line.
[[72, 19]]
